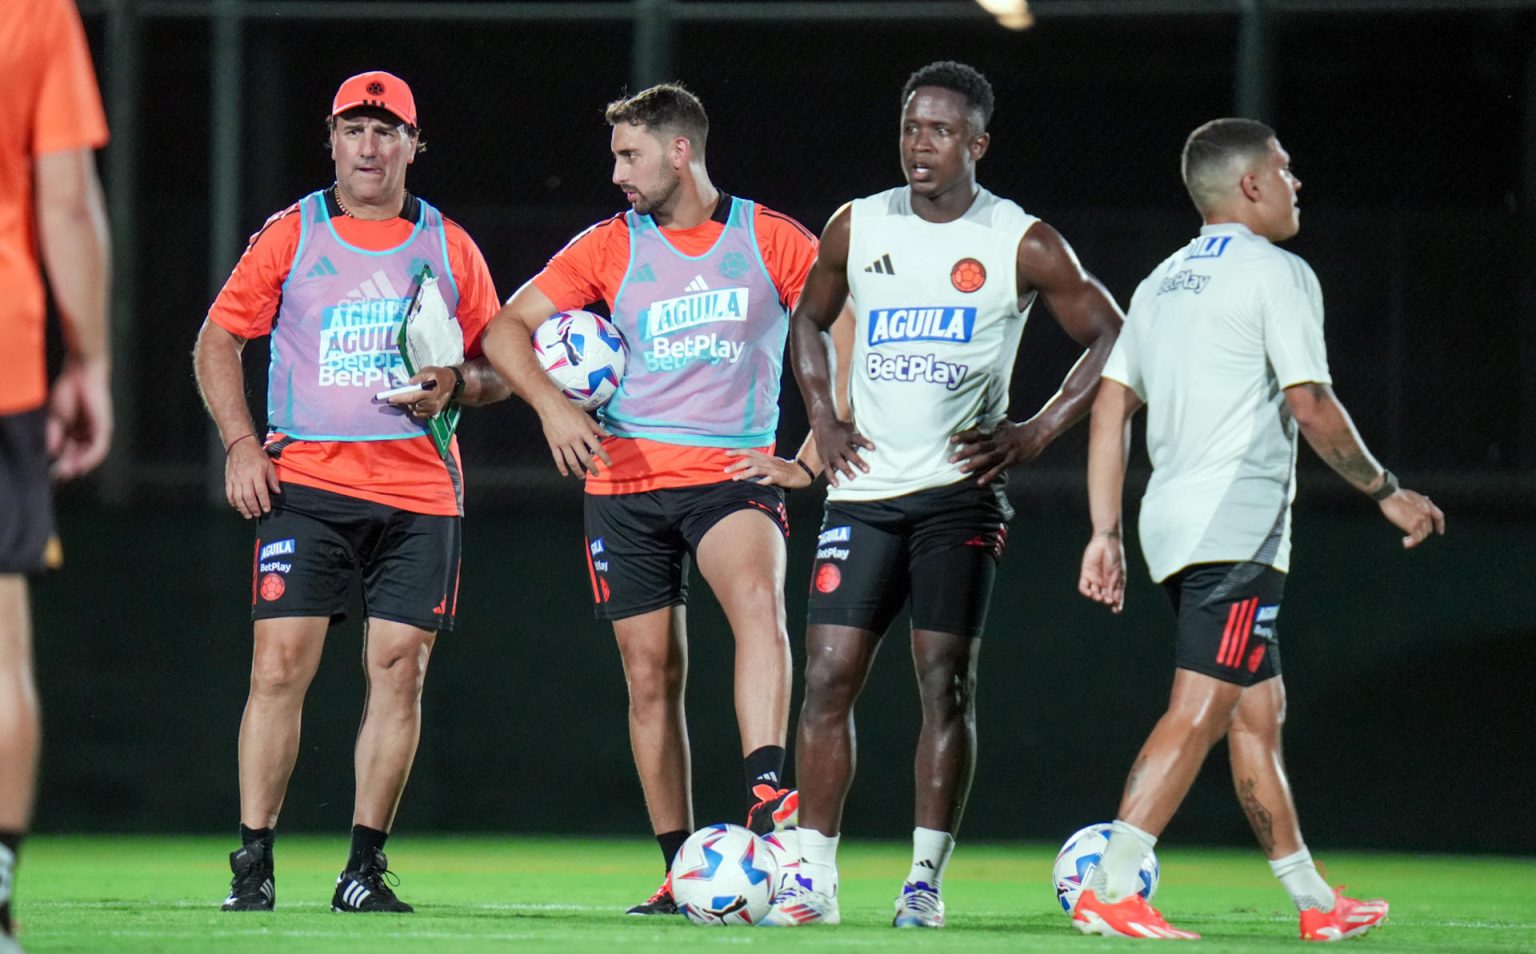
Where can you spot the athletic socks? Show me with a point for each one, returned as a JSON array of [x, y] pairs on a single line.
[[10, 845], [818, 859], [1119, 869], [366, 842], [764, 766], [930, 856], [251, 835], [1299, 876], [670, 842]]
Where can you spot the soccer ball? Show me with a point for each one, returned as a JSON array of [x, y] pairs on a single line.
[[583, 354], [724, 875], [1081, 854]]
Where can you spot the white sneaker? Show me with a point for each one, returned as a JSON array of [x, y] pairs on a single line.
[[799, 903], [919, 906]]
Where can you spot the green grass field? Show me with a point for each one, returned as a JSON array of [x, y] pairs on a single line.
[[492, 893]]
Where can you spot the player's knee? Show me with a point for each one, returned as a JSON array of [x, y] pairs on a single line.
[[947, 692], [278, 672], [653, 683], [831, 683]]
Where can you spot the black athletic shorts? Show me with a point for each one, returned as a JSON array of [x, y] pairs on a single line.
[[28, 543], [1228, 620], [314, 545], [936, 551], [638, 545]]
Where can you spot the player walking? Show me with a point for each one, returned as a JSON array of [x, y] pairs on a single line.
[[342, 485], [699, 282], [943, 275], [1224, 344]]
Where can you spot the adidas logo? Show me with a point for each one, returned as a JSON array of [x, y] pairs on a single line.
[[881, 265], [355, 893], [377, 286], [643, 274], [697, 285], [322, 268]]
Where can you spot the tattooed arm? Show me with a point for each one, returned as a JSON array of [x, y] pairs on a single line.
[[1327, 427]]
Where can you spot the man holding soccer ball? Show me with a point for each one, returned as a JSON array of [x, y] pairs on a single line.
[[340, 483], [1224, 344], [699, 283]]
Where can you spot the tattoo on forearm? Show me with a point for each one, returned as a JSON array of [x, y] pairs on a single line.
[[1258, 816], [1131, 779], [1353, 465]]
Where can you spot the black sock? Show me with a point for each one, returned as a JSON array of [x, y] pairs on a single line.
[[12, 842], [263, 835], [365, 841], [764, 767], [670, 841]]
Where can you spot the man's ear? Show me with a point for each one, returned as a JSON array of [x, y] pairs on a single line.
[[1249, 184], [680, 152]]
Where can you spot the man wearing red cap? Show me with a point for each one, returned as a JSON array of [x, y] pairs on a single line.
[[342, 484]]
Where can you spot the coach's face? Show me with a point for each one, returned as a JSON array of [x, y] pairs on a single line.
[[1273, 188], [372, 150], [940, 144], [645, 167]]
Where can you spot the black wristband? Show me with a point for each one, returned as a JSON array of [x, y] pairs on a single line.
[[1389, 486], [807, 468], [458, 383]]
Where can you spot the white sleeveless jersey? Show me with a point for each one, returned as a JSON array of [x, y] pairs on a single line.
[[937, 329]]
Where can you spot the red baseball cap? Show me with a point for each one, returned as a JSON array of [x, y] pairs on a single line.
[[379, 89]]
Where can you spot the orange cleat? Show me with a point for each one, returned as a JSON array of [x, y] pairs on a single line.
[[1131, 916], [1349, 918]]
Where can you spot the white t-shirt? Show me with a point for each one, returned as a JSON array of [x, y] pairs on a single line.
[[937, 325], [1214, 336]]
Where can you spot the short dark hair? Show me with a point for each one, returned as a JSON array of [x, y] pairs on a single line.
[[667, 107], [1211, 150], [965, 80]]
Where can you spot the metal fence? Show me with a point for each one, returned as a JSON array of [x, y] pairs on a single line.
[[1412, 122]]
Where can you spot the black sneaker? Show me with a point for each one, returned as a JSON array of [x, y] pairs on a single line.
[[369, 888], [660, 903], [252, 888]]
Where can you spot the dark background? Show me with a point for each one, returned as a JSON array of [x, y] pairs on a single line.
[[1411, 675]]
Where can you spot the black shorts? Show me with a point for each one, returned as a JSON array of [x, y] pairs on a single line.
[[935, 550], [314, 545], [28, 543], [1228, 620], [638, 545]]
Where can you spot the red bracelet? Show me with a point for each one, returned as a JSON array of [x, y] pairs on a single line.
[[231, 444]]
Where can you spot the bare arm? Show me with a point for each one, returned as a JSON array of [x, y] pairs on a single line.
[[1328, 428], [574, 438], [250, 478], [1102, 578], [823, 301], [1087, 313], [72, 235], [482, 385]]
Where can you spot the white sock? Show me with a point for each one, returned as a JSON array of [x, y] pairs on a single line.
[[1119, 871], [818, 859], [930, 856], [1299, 876]]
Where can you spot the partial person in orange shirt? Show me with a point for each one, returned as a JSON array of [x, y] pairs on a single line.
[[342, 485], [700, 284], [51, 123]]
